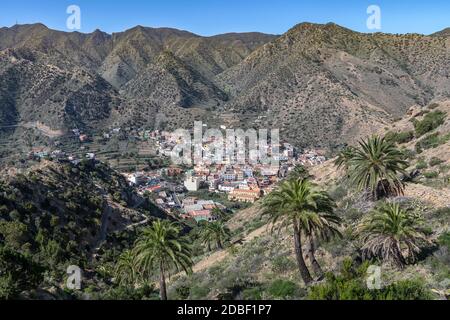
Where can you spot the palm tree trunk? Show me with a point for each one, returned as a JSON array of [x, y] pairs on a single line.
[[219, 244], [399, 260], [304, 272], [312, 258], [162, 284]]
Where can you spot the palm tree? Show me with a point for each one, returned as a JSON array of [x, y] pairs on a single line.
[[375, 166], [298, 203], [391, 234], [217, 213], [215, 232], [125, 270], [344, 158], [161, 247], [299, 172], [326, 229]]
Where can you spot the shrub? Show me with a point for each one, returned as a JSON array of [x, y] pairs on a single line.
[[433, 140], [282, 264], [431, 175], [351, 285], [339, 192], [282, 289], [14, 215], [255, 293], [436, 161], [442, 212], [127, 293], [430, 122], [405, 290], [198, 292], [409, 154], [400, 137], [182, 292], [14, 233], [21, 274], [421, 164], [444, 240]]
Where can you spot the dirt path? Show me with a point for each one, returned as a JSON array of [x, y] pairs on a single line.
[[46, 130]]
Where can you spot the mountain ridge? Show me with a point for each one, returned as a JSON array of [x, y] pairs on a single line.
[[322, 85]]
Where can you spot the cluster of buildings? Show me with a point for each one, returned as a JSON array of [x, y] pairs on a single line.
[[245, 182], [311, 158], [200, 210], [171, 196], [58, 155]]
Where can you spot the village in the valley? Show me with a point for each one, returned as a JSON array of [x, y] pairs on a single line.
[[235, 183], [196, 191]]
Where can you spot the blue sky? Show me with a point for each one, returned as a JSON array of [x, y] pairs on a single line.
[[209, 17]]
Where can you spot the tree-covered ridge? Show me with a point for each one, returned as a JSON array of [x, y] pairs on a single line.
[[56, 215]]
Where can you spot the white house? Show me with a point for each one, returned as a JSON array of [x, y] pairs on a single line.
[[192, 183]]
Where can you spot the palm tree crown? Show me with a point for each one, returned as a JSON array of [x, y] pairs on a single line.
[[215, 232], [375, 166], [392, 234], [125, 270], [160, 247], [344, 158], [301, 201], [218, 214], [310, 211]]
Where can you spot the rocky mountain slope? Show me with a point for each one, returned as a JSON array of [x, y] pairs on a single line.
[[321, 85], [324, 83]]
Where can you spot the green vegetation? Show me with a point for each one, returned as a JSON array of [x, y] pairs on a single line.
[[126, 270], [299, 172], [51, 218], [161, 247], [431, 141], [431, 121], [444, 240], [400, 137], [393, 235], [421, 164], [344, 158], [310, 212], [351, 285], [17, 273], [39, 239], [214, 232], [431, 174], [374, 167], [220, 198], [435, 162], [282, 289]]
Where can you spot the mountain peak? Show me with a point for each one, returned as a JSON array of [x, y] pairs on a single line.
[[308, 26], [162, 31], [29, 27]]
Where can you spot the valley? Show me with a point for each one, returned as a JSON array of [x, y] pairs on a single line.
[[87, 176]]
